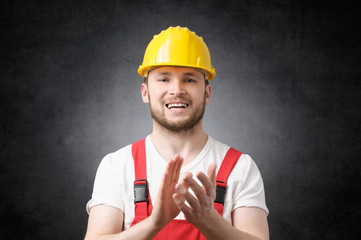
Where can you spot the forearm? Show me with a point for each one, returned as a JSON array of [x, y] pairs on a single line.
[[217, 228], [144, 230], [105, 223]]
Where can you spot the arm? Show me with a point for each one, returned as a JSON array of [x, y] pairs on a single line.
[[106, 223], [248, 223], [251, 224]]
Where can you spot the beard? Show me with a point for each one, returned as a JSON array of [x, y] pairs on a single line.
[[178, 126]]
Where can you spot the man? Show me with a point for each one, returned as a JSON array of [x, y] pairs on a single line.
[[164, 186]]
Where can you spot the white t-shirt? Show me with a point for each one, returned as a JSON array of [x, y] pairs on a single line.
[[114, 179]]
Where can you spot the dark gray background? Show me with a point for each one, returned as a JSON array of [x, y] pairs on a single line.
[[287, 93]]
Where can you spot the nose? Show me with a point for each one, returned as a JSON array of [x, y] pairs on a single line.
[[176, 87]]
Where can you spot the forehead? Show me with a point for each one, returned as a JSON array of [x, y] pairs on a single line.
[[176, 71]]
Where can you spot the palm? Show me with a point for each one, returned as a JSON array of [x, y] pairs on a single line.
[[165, 209]]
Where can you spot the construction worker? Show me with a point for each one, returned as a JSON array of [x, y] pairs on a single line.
[[178, 182]]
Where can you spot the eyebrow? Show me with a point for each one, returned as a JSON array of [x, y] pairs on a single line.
[[189, 74], [163, 73]]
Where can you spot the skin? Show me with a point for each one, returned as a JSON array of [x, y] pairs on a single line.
[[178, 136]]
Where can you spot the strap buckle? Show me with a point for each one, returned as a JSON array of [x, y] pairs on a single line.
[[141, 190], [220, 192]]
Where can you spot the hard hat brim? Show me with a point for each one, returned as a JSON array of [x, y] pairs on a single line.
[[143, 71]]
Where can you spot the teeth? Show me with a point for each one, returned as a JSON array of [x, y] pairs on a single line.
[[177, 105]]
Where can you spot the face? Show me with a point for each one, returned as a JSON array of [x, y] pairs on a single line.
[[177, 97]]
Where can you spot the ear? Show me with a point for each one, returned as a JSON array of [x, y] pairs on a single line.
[[208, 94], [144, 91]]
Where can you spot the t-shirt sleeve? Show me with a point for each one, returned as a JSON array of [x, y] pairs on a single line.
[[250, 190], [107, 186]]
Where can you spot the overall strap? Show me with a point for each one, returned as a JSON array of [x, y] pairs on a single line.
[[227, 165], [142, 202]]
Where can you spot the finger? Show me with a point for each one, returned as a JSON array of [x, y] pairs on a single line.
[[172, 170], [168, 172], [192, 201], [175, 165], [179, 164], [207, 184], [180, 202], [211, 173], [186, 175], [197, 189]]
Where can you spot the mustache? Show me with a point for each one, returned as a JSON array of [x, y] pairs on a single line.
[[177, 99]]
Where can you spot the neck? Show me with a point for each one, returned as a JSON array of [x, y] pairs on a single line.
[[188, 144]]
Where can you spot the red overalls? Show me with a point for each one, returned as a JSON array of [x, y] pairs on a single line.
[[176, 229]]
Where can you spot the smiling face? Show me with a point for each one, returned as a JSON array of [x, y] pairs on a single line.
[[177, 97]]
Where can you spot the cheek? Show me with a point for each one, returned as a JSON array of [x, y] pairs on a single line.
[[199, 95], [155, 96]]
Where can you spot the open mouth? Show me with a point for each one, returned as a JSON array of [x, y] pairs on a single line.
[[176, 106]]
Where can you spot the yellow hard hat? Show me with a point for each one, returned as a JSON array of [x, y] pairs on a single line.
[[177, 46]]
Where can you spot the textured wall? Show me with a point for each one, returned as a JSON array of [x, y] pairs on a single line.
[[286, 92]]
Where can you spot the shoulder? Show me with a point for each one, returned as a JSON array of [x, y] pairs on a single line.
[[221, 149], [217, 148], [118, 158], [245, 163]]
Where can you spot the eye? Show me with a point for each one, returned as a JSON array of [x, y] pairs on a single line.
[[163, 80], [189, 80]]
